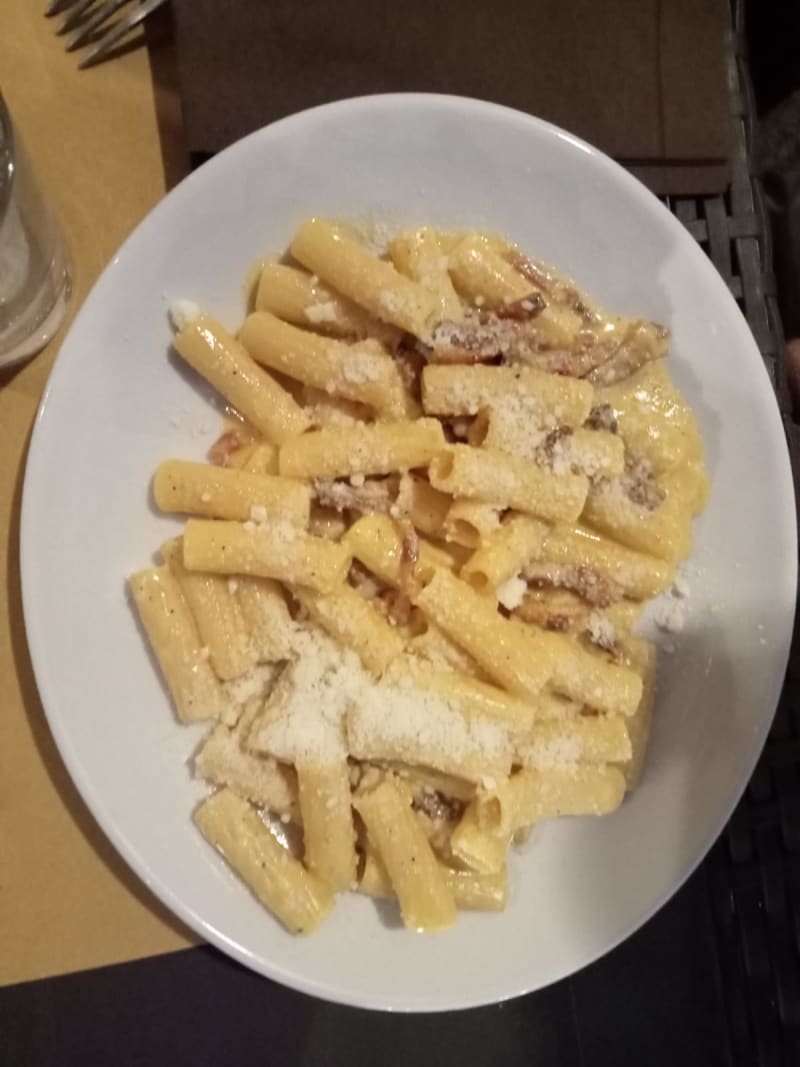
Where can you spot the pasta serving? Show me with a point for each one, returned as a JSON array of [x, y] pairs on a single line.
[[405, 593]]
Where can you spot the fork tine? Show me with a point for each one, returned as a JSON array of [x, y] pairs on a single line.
[[94, 20], [118, 31], [74, 15], [55, 7]]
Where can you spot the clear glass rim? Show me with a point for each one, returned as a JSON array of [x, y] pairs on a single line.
[[6, 157]]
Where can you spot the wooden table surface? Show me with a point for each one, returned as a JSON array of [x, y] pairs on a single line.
[[105, 144]]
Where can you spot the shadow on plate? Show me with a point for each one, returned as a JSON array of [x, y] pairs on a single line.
[[46, 747]]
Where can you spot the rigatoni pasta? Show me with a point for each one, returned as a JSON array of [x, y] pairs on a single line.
[[499, 478], [406, 583], [361, 371], [370, 282], [363, 450], [225, 364], [227, 493], [267, 551], [172, 632]]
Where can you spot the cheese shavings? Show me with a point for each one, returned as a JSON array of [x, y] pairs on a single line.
[[511, 593], [182, 313]]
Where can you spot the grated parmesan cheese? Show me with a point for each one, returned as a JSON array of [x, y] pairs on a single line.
[[601, 630], [283, 531], [563, 456], [255, 683], [511, 593], [557, 753], [680, 587], [360, 367], [325, 312], [519, 424], [671, 615], [375, 236], [304, 718], [390, 300], [408, 718], [326, 705], [182, 312]]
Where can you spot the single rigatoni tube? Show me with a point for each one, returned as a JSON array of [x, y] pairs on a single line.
[[226, 493], [596, 453], [426, 900], [587, 676], [409, 724], [532, 795], [328, 835], [460, 390], [265, 551], [225, 364], [296, 897], [499, 478], [381, 448]]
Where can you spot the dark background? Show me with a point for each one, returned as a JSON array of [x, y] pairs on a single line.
[[773, 34]]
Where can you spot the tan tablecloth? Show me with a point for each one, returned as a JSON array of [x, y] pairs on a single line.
[[67, 901]]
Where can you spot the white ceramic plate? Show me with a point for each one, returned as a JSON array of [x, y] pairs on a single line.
[[117, 404]]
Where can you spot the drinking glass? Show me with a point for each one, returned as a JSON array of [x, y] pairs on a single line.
[[34, 267]]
